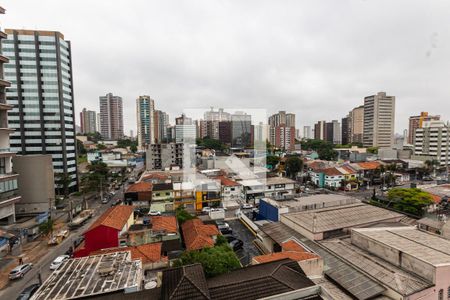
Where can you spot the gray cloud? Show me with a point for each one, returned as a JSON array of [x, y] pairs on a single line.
[[315, 58]]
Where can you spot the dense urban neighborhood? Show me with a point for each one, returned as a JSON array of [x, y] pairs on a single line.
[[216, 203]]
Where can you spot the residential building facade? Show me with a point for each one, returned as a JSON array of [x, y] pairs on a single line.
[[41, 93], [307, 132], [88, 121], [320, 130], [418, 122], [356, 127], [241, 130], [282, 130], [164, 156], [8, 180], [161, 126], [432, 141], [145, 112], [111, 117], [379, 120]]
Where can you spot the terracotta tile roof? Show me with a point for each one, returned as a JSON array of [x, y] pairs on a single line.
[[369, 165], [147, 253], [294, 255], [349, 169], [292, 245], [167, 223], [141, 186], [198, 235], [160, 176], [436, 199], [227, 181], [331, 172], [115, 217]]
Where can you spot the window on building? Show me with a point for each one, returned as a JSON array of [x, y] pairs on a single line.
[[448, 293], [441, 294], [2, 165]]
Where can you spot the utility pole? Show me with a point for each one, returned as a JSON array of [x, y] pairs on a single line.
[[101, 189]]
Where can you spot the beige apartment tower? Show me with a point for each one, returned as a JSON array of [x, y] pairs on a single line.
[[379, 120], [356, 124]]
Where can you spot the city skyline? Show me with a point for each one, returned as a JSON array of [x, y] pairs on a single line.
[[296, 76]]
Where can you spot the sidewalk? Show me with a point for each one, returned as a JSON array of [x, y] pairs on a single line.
[[30, 252]]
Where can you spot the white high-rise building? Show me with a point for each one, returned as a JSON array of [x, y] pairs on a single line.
[[379, 120], [307, 132], [432, 141]]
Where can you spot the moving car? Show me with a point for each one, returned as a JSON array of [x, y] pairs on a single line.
[[154, 213], [236, 244], [28, 292], [246, 206], [20, 271], [58, 262]]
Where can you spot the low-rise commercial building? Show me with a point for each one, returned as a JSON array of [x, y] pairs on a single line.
[[324, 223], [162, 197]]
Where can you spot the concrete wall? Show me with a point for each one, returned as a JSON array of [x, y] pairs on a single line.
[[313, 268], [36, 183], [303, 231]]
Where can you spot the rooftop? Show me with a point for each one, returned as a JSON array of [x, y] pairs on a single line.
[[259, 281], [162, 186], [115, 217], [294, 255], [164, 223], [141, 186], [427, 247], [279, 180], [345, 216], [147, 253], [389, 275], [186, 282], [92, 275], [198, 235]]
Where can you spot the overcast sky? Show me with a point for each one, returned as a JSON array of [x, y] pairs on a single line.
[[317, 59]]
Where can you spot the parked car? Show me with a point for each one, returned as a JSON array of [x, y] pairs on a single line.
[[236, 244], [58, 262], [105, 200], [222, 223], [154, 213], [225, 230], [78, 241], [229, 237], [28, 292], [20, 271], [206, 209], [246, 206]]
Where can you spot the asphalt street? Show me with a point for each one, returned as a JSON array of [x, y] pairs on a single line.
[[14, 288]]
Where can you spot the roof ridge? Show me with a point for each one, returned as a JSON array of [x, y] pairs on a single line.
[[199, 289]]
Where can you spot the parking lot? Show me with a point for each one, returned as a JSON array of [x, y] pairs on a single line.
[[243, 233]]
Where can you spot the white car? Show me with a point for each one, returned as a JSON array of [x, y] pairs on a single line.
[[58, 262], [246, 206], [206, 209], [19, 271], [154, 213]]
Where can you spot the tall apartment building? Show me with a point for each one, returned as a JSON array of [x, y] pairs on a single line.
[[345, 130], [161, 125], [185, 130], [8, 180], [88, 121], [41, 93], [164, 156], [282, 130], [225, 132], [432, 141], [417, 122], [356, 126], [379, 120], [145, 116], [320, 130], [307, 132], [111, 117], [241, 130]]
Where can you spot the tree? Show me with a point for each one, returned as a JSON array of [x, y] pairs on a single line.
[[46, 227], [272, 160], [94, 137], [373, 150], [323, 148], [410, 200], [133, 148], [182, 215], [80, 148], [293, 165], [215, 261], [211, 143], [101, 147], [431, 166], [63, 181]]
